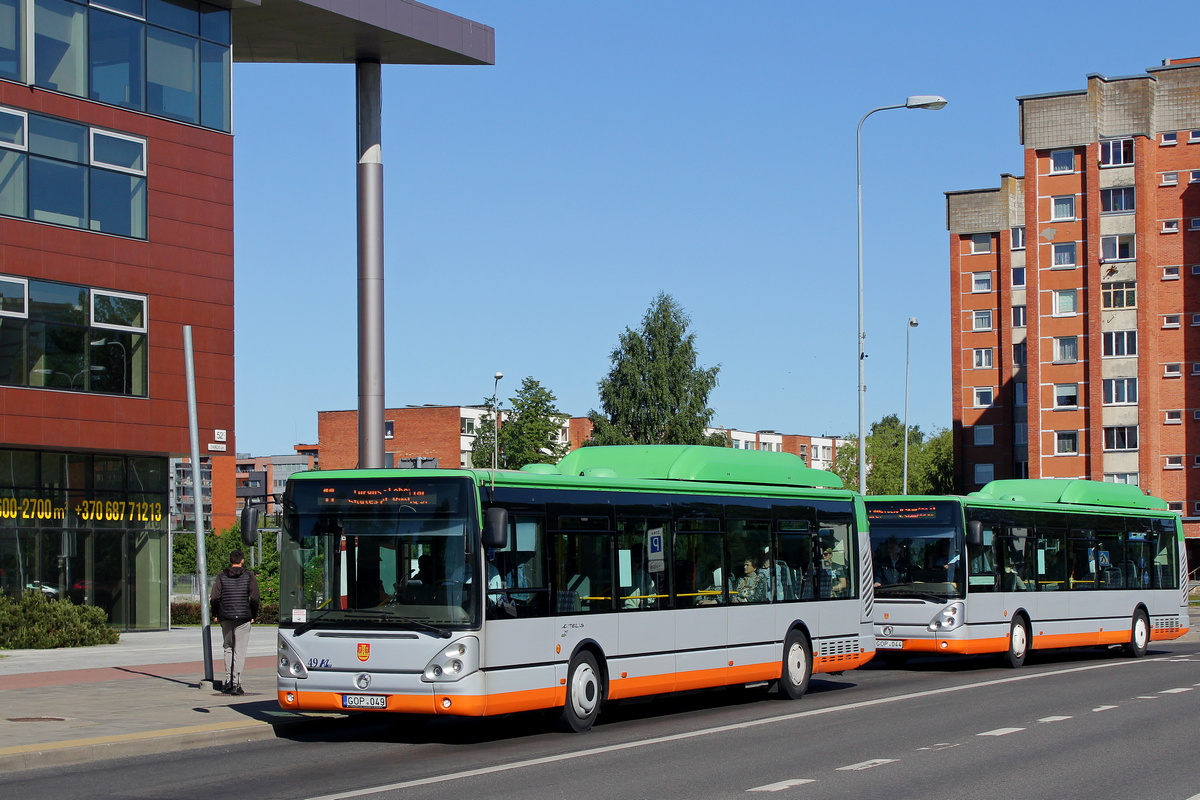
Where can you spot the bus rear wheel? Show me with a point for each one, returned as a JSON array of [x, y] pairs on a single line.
[[583, 694], [797, 666], [1018, 644], [1139, 636]]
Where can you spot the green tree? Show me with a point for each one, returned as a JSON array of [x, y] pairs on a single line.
[[217, 547], [936, 465], [929, 461], [529, 432], [655, 393]]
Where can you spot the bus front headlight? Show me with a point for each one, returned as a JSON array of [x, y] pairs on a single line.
[[949, 618], [290, 665], [453, 662]]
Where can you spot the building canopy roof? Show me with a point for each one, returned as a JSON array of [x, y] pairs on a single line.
[[348, 31]]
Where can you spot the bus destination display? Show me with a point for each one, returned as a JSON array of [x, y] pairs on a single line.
[[910, 513]]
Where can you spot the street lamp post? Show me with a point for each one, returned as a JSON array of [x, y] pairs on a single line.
[[496, 430], [912, 323], [933, 103]]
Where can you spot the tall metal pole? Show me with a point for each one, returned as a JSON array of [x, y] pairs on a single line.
[[369, 96], [912, 323], [496, 431], [862, 336], [198, 504]]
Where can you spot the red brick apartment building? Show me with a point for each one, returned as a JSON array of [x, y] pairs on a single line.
[[1075, 293], [116, 232]]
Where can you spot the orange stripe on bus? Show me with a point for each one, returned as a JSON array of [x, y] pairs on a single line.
[[1166, 634]]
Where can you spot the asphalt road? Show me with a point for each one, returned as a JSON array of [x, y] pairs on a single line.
[[1067, 725]]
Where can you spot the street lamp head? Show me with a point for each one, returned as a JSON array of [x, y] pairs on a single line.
[[499, 375], [912, 322], [930, 101]]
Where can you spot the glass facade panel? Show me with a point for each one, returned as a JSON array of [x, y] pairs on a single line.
[[56, 357], [58, 138], [60, 45], [12, 40], [134, 7], [58, 192], [113, 309], [12, 128], [172, 77], [118, 363], [215, 93], [214, 24], [12, 352], [118, 151], [178, 15], [14, 198], [58, 302], [118, 203], [115, 50]]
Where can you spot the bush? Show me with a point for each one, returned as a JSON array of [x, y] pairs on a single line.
[[36, 622], [189, 614]]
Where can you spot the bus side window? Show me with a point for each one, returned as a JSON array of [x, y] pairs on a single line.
[[1016, 561], [1051, 561], [583, 572], [519, 566], [642, 578], [983, 562], [1165, 574], [699, 564]]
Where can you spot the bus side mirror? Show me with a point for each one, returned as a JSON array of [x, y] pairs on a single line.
[[495, 528], [249, 525], [975, 533]]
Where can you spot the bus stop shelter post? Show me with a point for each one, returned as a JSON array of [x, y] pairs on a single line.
[[369, 101], [198, 508]]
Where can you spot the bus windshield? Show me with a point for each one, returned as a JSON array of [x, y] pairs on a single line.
[[379, 553], [917, 547]]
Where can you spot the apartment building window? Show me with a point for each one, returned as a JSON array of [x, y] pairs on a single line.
[[1119, 200], [1193, 136], [1194, 176], [1020, 433], [1018, 315], [1065, 302], [981, 243], [1174, 417], [466, 426], [1170, 226], [70, 174], [1116, 152], [1172, 370], [1169, 179], [983, 358], [983, 396], [1066, 395], [1130, 478], [1170, 321], [1119, 343], [1196, 370], [981, 282], [1020, 469], [1169, 139], [1018, 277], [1117, 248], [1020, 355], [1064, 254], [981, 320], [1120, 437], [389, 429], [1018, 238], [1173, 462], [1062, 161], [1120, 391], [1063, 208], [63, 336], [1194, 224], [1020, 393], [1118, 294], [984, 435], [984, 473], [1066, 443], [166, 57], [1170, 273], [1066, 349]]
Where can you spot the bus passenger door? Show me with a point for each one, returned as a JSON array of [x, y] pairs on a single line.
[[701, 604], [645, 659]]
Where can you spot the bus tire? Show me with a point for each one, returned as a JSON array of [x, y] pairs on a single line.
[[797, 666], [1139, 635], [1018, 644], [584, 691]]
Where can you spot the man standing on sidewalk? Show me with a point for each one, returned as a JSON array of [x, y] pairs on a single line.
[[234, 604]]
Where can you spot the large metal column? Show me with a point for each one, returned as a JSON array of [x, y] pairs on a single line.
[[368, 86]]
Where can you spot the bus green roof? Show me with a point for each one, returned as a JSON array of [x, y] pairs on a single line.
[[1071, 492], [696, 463]]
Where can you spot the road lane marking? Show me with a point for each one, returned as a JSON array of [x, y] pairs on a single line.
[[1052, 719], [1176, 691], [616, 748], [874, 762], [1000, 732], [1104, 708], [779, 787], [1146, 697], [938, 747]]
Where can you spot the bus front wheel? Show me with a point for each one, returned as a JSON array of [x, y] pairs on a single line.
[[583, 694], [797, 666], [1018, 644], [1139, 637]]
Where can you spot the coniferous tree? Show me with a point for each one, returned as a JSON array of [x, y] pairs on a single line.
[[529, 431]]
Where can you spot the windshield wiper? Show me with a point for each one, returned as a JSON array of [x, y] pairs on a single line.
[[424, 626], [907, 590], [351, 613]]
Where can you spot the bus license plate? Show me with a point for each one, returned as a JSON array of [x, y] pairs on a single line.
[[889, 644], [364, 701]]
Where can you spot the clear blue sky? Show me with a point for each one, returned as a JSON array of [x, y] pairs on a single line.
[[706, 149]]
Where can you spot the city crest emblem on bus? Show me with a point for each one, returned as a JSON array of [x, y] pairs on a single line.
[[364, 651]]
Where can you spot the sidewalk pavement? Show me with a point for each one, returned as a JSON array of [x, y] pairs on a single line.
[[143, 695]]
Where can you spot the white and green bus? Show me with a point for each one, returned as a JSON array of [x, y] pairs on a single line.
[[619, 572], [1025, 565]]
